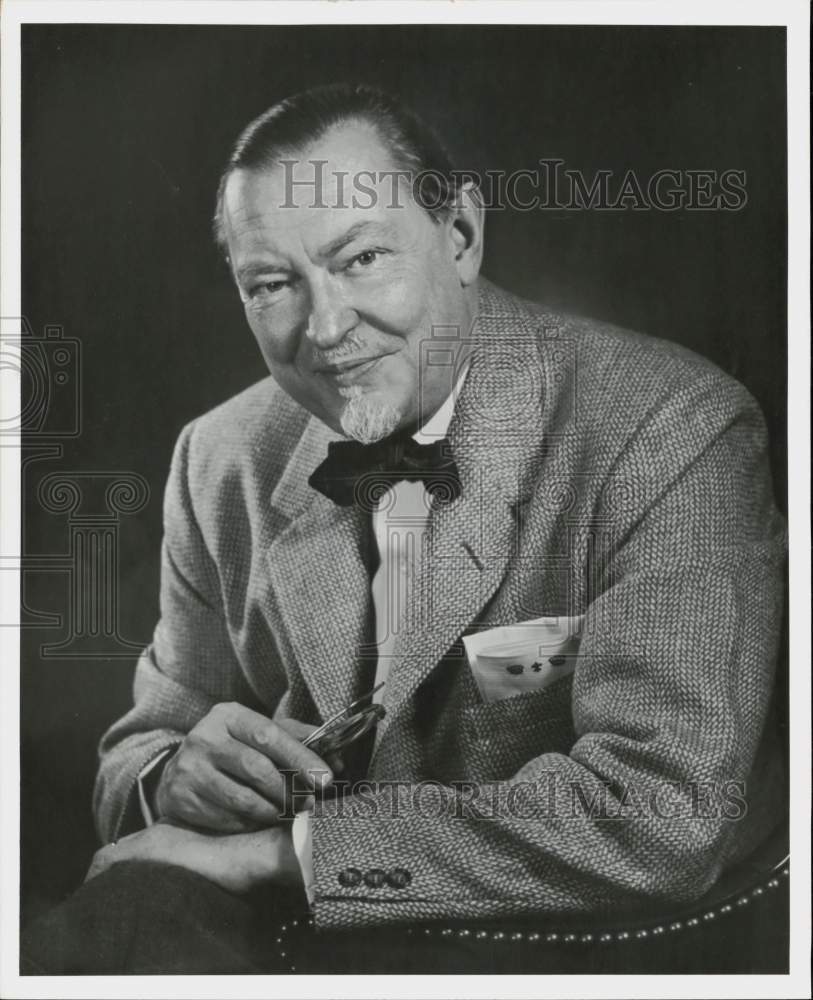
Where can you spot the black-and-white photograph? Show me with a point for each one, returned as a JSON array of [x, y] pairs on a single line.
[[402, 446]]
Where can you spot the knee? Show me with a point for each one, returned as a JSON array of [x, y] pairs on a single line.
[[133, 908], [139, 884]]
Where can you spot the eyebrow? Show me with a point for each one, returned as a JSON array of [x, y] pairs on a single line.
[[328, 250], [263, 267], [340, 242]]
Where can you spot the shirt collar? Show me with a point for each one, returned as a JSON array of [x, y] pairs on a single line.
[[437, 425]]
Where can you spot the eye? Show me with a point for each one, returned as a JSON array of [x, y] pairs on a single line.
[[266, 290], [364, 259]]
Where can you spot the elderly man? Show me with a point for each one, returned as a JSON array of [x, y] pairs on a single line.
[[548, 545]]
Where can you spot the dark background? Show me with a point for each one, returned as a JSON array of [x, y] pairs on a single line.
[[125, 129]]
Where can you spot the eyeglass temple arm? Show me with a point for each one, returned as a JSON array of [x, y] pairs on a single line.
[[335, 718]]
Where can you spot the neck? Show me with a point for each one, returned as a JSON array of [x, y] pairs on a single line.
[[455, 373]]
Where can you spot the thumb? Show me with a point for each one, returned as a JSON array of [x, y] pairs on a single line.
[[301, 730]]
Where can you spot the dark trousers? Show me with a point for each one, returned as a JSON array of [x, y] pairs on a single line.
[[143, 918]]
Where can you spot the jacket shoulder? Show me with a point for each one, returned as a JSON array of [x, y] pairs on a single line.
[[239, 449], [625, 370]]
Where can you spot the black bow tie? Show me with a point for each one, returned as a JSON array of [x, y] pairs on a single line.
[[361, 473]]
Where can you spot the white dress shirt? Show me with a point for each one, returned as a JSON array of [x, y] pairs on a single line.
[[399, 524]]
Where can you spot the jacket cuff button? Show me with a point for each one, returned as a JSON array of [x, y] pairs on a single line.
[[398, 878], [375, 878], [349, 877]]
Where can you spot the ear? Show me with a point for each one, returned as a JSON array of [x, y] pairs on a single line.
[[466, 224]]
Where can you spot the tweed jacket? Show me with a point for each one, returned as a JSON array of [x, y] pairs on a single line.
[[604, 474]]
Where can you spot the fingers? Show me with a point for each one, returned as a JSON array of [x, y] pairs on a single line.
[[278, 745], [252, 768], [215, 801], [299, 730], [229, 774], [102, 860], [234, 799], [133, 845]]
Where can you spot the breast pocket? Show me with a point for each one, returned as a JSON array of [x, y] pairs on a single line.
[[502, 736]]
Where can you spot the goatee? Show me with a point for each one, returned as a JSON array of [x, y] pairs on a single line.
[[367, 417]]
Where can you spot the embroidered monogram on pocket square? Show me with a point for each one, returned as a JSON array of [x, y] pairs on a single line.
[[528, 656]]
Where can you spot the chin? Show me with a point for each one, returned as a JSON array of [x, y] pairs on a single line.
[[369, 416]]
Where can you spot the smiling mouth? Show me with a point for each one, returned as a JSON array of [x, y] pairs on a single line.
[[346, 372]]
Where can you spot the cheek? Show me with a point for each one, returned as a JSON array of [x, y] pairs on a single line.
[[425, 298], [279, 343], [402, 300], [275, 335]]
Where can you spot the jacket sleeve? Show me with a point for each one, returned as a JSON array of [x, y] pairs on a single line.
[[188, 668], [670, 694]]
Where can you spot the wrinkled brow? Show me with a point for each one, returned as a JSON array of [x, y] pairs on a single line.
[[363, 227]]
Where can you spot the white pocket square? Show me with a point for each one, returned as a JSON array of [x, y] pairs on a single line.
[[527, 656]]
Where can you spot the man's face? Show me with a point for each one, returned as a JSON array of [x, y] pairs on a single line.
[[340, 299]]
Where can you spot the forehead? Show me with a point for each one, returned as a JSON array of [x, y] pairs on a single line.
[[309, 197]]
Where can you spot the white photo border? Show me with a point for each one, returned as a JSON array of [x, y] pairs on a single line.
[[794, 15]]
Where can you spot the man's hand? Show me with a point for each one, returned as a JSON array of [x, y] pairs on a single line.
[[226, 774], [237, 862]]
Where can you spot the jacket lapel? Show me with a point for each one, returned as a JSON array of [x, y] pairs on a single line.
[[319, 578], [469, 544], [467, 550]]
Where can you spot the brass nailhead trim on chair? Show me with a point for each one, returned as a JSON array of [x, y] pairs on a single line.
[[571, 937]]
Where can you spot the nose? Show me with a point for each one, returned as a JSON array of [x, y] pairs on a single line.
[[331, 316]]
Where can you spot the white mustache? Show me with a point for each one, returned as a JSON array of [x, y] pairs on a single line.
[[351, 344]]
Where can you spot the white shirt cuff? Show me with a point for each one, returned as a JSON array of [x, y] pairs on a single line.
[[146, 807], [303, 848]]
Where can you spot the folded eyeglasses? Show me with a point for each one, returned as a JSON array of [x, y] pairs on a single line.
[[347, 726]]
